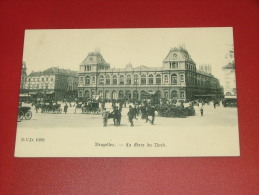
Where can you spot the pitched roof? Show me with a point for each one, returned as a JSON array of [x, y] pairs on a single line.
[[94, 58], [54, 70], [178, 54]]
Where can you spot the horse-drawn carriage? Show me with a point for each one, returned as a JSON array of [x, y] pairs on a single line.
[[175, 111], [229, 101], [24, 113], [91, 108], [51, 108]]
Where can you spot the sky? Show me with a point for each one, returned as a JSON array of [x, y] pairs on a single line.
[[147, 46]]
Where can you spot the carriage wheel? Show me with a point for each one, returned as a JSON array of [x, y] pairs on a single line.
[[20, 115], [59, 110], [28, 115]]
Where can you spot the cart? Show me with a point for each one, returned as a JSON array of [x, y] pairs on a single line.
[[24, 113]]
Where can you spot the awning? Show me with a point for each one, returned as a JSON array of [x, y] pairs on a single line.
[[34, 92], [230, 97], [24, 95], [49, 92], [205, 95]]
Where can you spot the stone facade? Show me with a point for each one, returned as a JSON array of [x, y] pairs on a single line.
[[230, 74], [229, 79], [23, 76], [178, 78], [55, 83]]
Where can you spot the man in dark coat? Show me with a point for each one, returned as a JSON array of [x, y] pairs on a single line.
[[65, 108], [150, 112], [131, 114]]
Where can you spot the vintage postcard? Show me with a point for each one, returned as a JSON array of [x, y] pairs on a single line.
[[153, 92]]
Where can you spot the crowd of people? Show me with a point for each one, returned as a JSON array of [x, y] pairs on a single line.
[[146, 109]]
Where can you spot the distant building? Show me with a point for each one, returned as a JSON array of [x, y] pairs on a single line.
[[53, 83], [178, 78], [23, 77], [229, 75]]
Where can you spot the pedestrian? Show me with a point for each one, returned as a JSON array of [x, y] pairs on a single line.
[[65, 108], [105, 115], [116, 116], [119, 117], [135, 111], [201, 111], [152, 113], [131, 115]]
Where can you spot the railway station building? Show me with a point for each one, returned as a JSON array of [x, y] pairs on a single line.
[[177, 78]]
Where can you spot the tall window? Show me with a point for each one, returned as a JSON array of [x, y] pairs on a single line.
[[114, 80], [182, 78], [166, 94], [143, 79], [101, 79], [158, 79], [128, 80], [135, 79], [173, 65], [182, 95], [87, 80], [174, 79], [174, 94], [81, 79], [150, 79], [166, 78], [121, 80], [108, 80], [93, 79]]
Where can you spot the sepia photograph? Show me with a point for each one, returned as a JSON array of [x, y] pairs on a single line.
[[144, 92]]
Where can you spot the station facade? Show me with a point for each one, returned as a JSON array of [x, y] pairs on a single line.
[[177, 78]]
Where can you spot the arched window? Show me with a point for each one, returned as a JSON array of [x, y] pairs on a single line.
[[101, 79], [93, 79], [100, 93], [128, 94], [121, 80], [108, 80], [87, 80], [174, 94], [174, 79], [166, 94], [114, 80], [182, 78], [135, 94], [135, 79], [150, 79], [121, 94], [128, 80], [81, 79], [87, 94], [107, 95], [143, 79], [158, 79], [166, 78], [114, 94]]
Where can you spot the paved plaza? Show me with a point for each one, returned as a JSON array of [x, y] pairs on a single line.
[[212, 117]]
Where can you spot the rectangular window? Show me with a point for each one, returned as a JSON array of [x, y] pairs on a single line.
[[182, 95]]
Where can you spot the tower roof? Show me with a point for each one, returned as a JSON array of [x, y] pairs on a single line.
[[94, 58], [178, 54]]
